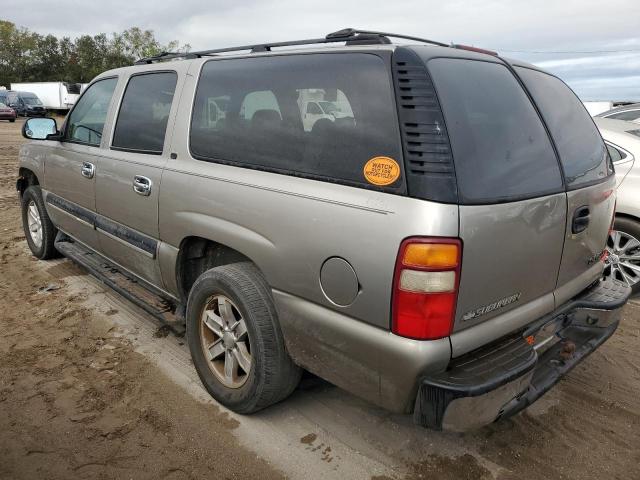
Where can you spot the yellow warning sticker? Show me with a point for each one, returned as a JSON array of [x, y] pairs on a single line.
[[381, 171]]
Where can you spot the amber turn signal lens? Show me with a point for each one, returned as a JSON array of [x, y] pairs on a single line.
[[431, 255]]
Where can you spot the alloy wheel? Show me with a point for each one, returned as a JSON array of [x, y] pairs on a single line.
[[623, 259], [225, 341], [34, 222]]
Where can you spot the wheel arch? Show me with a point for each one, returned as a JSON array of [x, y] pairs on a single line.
[[627, 216], [198, 254], [26, 179]]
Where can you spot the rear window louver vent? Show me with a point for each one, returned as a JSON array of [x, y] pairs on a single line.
[[427, 152]]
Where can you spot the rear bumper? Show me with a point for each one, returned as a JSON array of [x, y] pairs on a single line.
[[502, 379]]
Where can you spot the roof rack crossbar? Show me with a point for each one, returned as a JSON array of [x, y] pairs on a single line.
[[345, 35]]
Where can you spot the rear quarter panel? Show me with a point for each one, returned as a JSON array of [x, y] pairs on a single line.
[[290, 226]]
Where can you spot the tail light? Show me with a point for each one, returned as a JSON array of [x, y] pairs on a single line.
[[425, 288]]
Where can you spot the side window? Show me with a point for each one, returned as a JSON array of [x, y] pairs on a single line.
[[86, 121], [263, 102], [260, 119], [615, 154], [142, 121], [313, 109], [582, 152]]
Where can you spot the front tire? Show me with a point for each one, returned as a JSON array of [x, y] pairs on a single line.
[[38, 229], [623, 245], [235, 340]]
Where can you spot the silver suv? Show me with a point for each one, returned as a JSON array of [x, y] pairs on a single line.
[[434, 242]]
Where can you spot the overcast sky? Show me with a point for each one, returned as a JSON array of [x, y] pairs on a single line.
[[603, 37]]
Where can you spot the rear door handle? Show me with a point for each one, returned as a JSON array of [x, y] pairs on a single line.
[[88, 170], [142, 185], [581, 218]]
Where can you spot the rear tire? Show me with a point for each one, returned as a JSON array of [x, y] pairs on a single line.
[[38, 229], [12, 120], [235, 301], [619, 255]]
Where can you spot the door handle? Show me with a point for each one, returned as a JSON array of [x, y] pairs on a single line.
[[580, 220], [88, 170], [142, 185]]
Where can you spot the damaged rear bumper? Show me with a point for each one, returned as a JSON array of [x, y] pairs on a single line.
[[502, 379]]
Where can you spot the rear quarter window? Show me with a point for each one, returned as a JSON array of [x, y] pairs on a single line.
[[582, 151], [253, 113], [500, 148]]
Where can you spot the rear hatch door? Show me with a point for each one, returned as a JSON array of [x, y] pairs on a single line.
[[513, 206], [589, 180]]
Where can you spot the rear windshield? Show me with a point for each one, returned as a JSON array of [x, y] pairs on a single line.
[[254, 113], [582, 152], [500, 148], [31, 100]]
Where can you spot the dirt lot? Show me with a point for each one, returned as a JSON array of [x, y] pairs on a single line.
[[90, 388]]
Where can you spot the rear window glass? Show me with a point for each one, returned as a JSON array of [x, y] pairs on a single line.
[[629, 115], [582, 152], [144, 112], [500, 148], [256, 113]]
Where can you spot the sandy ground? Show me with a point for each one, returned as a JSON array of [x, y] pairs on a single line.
[[90, 387]]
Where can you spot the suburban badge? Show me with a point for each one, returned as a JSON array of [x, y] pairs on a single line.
[[503, 302]]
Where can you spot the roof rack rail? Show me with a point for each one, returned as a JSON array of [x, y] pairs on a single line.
[[351, 36]]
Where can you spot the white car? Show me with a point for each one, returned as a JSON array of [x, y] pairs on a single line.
[[629, 113], [623, 142]]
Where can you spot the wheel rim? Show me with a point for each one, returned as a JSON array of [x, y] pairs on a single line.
[[34, 223], [623, 259], [225, 341]]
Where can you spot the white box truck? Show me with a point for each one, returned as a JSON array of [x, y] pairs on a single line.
[[54, 95]]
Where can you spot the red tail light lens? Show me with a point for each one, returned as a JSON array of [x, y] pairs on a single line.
[[425, 287]]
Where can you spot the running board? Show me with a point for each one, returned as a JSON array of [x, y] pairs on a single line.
[[126, 285]]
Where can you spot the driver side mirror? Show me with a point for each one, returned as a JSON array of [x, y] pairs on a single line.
[[40, 129]]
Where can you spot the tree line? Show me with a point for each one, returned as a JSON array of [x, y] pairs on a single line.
[[27, 56]]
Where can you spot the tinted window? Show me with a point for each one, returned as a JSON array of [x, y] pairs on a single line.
[[144, 112], [629, 116], [86, 120], [500, 148], [582, 152], [314, 109], [31, 100], [252, 112], [615, 154]]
